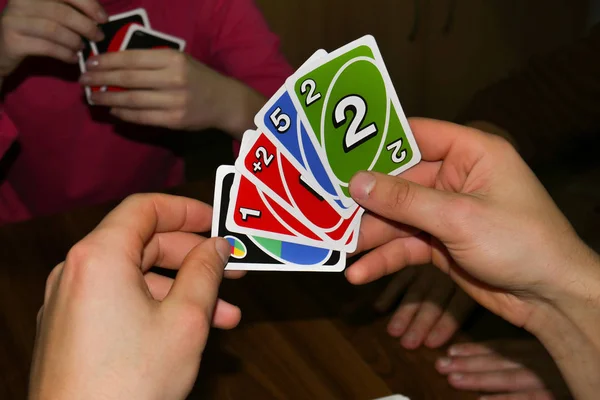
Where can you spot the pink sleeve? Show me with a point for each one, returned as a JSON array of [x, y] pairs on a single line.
[[8, 132], [243, 47]]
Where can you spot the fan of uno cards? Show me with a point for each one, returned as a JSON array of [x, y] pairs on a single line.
[[337, 115]]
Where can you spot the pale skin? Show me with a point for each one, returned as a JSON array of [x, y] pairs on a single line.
[[47, 28], [111, 329], [507, 369], [473, 214], [166, 88], [480, 224], [433, 308], [170, 89]]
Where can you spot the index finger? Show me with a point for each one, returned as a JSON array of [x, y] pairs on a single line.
[[134, 59], [91, 8], [134, 222], [376, 231]]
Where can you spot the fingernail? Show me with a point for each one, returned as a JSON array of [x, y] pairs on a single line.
[[99, 36], [224, 249], [361, 185], [454, 351], [92, 62], [457, 377], [84, 78], [444, 362]]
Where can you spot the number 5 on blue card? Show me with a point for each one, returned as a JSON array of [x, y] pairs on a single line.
[[278, 119]]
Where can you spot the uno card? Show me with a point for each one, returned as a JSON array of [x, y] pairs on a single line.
[[251, 253], [253, 213], [139, 37], [352, 114], [261, 162], [83, 56], [279, 120], [114, 31]]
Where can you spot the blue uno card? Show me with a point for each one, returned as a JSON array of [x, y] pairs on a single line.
[[279, 120]]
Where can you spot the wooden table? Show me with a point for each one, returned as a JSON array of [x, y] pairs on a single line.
[[303, 336]]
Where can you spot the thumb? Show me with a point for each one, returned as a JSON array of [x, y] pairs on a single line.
[[403, 201], [198, 280]]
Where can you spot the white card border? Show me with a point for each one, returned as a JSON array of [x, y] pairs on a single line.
[[306, 172], [369, 41], [240, 168], [224, 170], [134, 28]]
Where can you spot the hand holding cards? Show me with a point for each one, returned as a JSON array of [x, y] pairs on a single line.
[[126, 31], [337, 115]]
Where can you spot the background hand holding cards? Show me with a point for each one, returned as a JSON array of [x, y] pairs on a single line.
[[127, 31], [337, 115]]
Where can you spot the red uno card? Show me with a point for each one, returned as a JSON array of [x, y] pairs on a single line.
[[262, 163], [251, 212]]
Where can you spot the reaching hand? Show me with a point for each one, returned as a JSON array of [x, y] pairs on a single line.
[[110, 328], [512, 369], [432, 308], [480, 215]]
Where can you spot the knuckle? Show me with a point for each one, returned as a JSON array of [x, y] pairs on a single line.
[[77, 261], [57, 11], [131, 97], [501, 143], [179, 66], [209, 270], [50, 28], [138, 200], [52, 277], [178, 79], [401, 194], [194, 320]]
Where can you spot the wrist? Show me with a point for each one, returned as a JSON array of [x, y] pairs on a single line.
[[571, 300], [237, 104]]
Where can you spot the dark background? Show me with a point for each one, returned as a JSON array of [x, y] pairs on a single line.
[[438, 52]]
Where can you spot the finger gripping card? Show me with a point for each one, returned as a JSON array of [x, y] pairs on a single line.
[[116, 29], [262, 163], [255, 253]]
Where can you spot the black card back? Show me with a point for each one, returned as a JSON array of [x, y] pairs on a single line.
[[115, 31], [141, 39]]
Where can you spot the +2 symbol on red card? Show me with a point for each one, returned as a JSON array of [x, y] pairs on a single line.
[[262, 152]]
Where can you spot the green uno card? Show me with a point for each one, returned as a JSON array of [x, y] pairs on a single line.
[[352, 114]]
